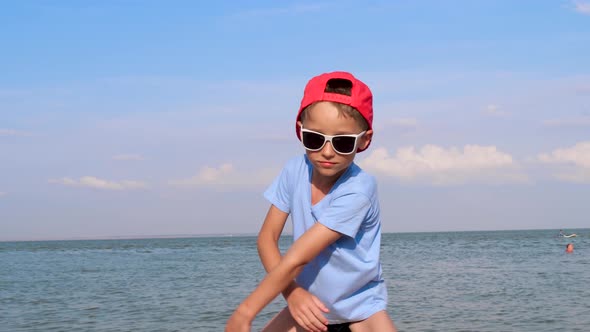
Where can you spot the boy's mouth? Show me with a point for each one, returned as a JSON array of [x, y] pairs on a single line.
[[326, 164]]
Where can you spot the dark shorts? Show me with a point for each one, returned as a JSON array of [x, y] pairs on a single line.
[[344, 327]]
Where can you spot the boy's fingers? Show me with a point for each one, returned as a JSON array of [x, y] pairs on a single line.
[[316, 325], [318, 319], [320, 304], [310, 324]]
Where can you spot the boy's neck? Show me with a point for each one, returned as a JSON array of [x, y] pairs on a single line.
[[324, 184]]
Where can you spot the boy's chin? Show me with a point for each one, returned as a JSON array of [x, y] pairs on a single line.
[[330, 172]]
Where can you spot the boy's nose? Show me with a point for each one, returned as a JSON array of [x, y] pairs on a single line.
[[328, 150]]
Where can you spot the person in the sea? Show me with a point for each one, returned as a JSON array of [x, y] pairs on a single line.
[[569, 248], [331, 276]]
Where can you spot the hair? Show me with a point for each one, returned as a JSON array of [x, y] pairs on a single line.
[[343, 87]]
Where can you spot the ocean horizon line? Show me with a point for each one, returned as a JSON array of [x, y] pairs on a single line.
[[217, 235]]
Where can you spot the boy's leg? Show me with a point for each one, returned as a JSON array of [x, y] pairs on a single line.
[[283, 322], [378, 322]]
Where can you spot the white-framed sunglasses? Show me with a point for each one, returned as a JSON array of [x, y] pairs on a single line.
[[342, 144]]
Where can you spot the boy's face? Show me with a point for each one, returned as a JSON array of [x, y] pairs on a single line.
[[325, 118]]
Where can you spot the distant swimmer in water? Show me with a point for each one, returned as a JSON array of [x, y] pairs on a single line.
[[569, 248]]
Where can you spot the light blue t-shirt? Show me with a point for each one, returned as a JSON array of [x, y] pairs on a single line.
[[346, 276]]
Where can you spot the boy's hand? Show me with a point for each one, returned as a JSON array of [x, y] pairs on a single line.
[[238, 322], [307, 310]]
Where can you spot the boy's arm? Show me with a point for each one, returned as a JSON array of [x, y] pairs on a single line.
[[268, 237], [304, 307], [307, 247], [268, 242]]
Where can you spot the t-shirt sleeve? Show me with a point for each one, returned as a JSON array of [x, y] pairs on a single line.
[[279, 192], [346, 213]]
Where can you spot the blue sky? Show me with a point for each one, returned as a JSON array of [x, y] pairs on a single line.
[[139, 118]]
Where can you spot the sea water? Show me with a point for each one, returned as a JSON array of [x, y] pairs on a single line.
[[448, 281]]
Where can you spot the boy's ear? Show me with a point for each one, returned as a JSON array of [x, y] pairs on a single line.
[[299, 125], [367, 137]]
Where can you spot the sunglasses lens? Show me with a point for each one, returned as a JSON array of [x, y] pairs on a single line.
[[312, 141], [343, 144]]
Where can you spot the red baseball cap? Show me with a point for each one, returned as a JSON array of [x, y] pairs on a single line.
[[360, 97]]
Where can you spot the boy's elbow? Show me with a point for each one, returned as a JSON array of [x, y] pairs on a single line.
[[293, 262], [260, 243], [264, 239]]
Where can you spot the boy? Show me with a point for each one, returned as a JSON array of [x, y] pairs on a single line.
[[331, 275]]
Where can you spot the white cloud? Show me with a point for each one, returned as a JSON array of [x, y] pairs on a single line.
[[125, 157], [2, 193], [579, 122], [494, 110], [574, 162], [582, 7], [226, 176], [94, 182], [578, 155], [12, 132], [440, 166]]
